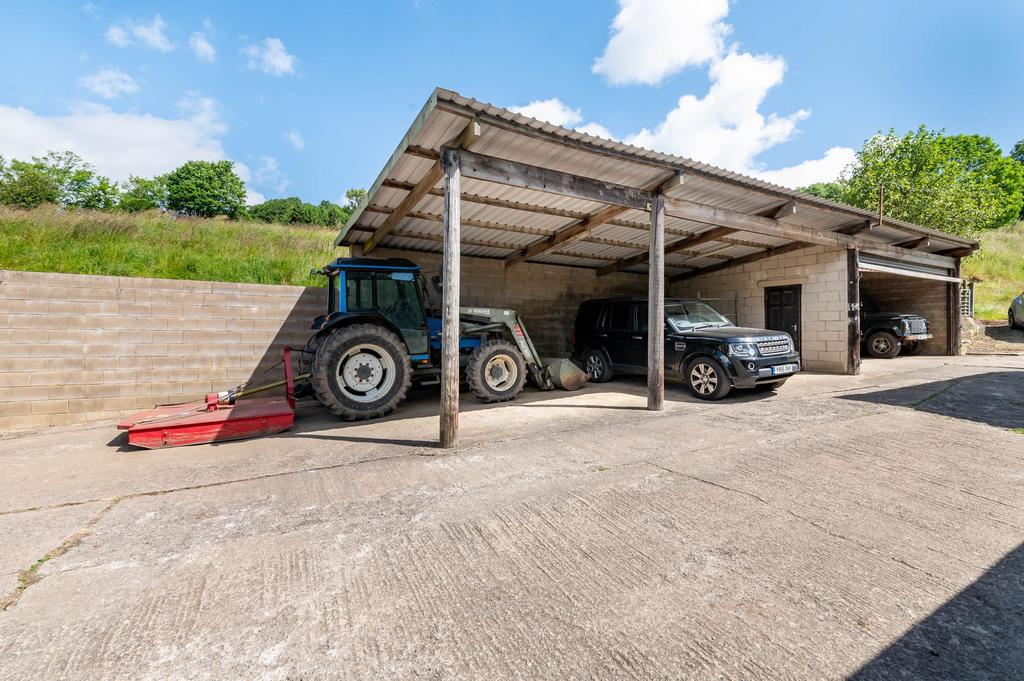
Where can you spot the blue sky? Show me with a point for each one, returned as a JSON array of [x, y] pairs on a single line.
[[310, 98]]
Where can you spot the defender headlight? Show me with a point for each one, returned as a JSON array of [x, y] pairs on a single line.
[[905, 325], [742, 350]]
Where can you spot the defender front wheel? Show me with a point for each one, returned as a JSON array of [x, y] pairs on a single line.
[[883, 344], [707, 379]]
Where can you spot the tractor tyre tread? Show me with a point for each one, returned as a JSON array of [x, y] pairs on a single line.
[[478, 363], [324, 372]]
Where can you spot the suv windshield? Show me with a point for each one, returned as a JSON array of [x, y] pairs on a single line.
[[687, 315]]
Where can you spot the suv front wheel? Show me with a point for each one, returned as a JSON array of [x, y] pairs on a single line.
[[707, 379]]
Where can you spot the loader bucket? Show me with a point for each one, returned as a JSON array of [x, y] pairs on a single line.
[[565, 375]]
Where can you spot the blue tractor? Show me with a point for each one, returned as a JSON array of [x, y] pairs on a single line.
[[382, 332]]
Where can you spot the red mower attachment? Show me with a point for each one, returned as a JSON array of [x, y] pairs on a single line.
[[217, 418]]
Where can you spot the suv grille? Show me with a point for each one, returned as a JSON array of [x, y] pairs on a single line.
[[918, 326], [773, 347]]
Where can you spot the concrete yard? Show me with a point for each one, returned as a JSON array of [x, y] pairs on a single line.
[[870, 526]]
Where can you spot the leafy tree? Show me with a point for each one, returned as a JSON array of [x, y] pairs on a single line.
[[26, 185], [206, 189], [144, 194], [1017, 153], [833, 191], [293, 210], [956, 183], [353, 197]]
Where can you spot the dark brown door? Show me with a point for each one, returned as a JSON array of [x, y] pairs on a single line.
[[782, 310]]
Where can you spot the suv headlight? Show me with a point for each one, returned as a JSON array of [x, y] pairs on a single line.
[[742, 350]]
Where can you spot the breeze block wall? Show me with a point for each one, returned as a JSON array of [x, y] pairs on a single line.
[[909, 295], [822, 274], [79, 349], [546, 296]]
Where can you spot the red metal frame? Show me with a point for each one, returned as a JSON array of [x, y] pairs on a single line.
[[211, 421]]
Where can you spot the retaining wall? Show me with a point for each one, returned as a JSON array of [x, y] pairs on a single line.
[[78, 349]]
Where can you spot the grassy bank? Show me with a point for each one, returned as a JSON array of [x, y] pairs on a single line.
[[155, 245], [999, 269]]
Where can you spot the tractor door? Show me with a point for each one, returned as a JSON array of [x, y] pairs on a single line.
[[395, 296]]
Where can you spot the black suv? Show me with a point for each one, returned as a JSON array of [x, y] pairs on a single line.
[[701, 346], [887, 334]]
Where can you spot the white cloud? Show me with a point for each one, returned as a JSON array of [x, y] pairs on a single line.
[[725, 127], [252, 198], [653, 39], [557, 112], [202, 47], [597, 130], [90, 10], [109, 83], [139, 33], [270, 57], [118, 36], [118, 144], [825, 169], [551, 110], [269, 175], [295, 137]]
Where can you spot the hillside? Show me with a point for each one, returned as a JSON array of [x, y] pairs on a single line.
[[152, 244], [999, 271]]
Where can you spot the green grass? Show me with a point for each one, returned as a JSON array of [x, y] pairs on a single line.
[[154, 245], [999, 271]]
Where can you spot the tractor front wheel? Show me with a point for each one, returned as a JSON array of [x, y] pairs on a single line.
[[496, 371], [361, 372]]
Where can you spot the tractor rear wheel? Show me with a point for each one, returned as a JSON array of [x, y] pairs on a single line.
[[496, 371], [361, 372]]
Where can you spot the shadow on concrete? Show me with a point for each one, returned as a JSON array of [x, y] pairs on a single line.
[[995, 398], [294, 331], [978, 634]]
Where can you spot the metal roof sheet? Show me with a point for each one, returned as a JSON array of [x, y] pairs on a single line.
[[496, 221]]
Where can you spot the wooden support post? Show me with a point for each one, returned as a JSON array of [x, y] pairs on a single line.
[[451, 280], [853, 301], [656, 307]]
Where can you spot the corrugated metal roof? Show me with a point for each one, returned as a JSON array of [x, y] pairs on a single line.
[[499, 220]]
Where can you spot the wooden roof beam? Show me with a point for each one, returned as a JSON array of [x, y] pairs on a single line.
[[858, 227], [743, 260], [787, 209], [433, 175], [920, 242], [759, 225], [675, 247]]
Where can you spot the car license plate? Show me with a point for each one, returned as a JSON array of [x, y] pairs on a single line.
[[783, 369]]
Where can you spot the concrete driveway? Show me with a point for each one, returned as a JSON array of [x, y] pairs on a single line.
[[868, 526]]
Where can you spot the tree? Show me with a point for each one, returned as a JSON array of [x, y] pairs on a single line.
[[353, 197], [956, 183], [292, 210], [144, 194], [26, 185], [206, 189], [1017, 153], [833, 191]]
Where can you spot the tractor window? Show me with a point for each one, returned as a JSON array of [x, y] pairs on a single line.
[[359, 291], [399, 301]]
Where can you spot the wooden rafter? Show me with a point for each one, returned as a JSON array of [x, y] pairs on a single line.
[[433, 175], [920, 242], [742, 260], [586, 225], [858, 227], [712, 234], [759, 225]]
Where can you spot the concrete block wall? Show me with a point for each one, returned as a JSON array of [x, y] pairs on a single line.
[[822, 274], [893, 293], [546, 296], [79, 349]]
